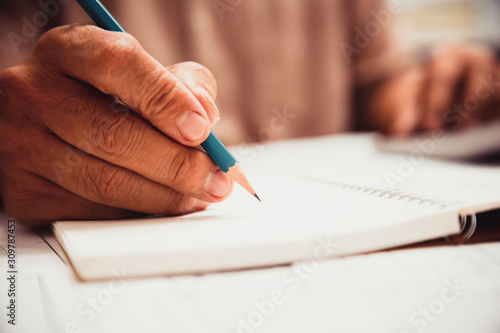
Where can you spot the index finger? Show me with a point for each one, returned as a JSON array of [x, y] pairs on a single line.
[[116, 64]]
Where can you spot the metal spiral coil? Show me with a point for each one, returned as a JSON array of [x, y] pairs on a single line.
[[468, 221], [385, 193], [388, 193]]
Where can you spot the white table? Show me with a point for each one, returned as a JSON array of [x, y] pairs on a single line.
[[439, 289]]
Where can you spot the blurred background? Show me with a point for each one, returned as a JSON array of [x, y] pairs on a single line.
[[432, 22]]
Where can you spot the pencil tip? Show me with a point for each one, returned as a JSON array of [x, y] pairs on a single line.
[[255, 195]]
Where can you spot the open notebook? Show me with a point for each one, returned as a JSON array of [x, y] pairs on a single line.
[[341, 207]]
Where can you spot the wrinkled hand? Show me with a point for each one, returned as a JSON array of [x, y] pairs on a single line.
[[458, 86], [71, 150]]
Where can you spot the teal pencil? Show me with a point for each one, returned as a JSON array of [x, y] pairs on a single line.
[[212, 145]]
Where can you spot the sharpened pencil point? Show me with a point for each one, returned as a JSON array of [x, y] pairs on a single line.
[[237, 175]]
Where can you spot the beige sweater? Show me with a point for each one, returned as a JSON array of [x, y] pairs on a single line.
[[284, 67]]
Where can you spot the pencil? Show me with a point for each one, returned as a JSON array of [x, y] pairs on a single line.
[[212, 145]]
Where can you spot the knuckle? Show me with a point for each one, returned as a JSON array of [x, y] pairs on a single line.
[[51, 39], [107, 183], [113, 136], [80, 180], [113, 55], [57, 38], [27, 91], [112, 182], [8, 77], [179, 167], [12, 79], [161, 98]]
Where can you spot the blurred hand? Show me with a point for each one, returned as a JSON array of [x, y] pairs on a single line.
[[458, 86], [71, 150]]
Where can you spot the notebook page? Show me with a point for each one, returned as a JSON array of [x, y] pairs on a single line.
[[285, 227]]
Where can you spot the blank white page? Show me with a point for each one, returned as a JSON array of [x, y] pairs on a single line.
[[296, 216]]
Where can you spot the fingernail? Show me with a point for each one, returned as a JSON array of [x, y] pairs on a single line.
[[192, 126], [218, 184]]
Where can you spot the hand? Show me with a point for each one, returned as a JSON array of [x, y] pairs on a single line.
[[71, 150], [458, 86]]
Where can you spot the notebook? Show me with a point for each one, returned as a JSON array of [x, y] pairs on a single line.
[[322, 198]]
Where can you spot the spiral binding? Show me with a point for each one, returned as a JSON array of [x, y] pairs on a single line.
[[386, 193], [468, 227], [467, 220]]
